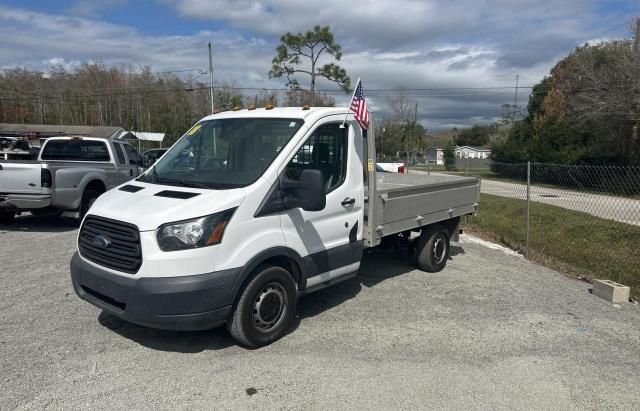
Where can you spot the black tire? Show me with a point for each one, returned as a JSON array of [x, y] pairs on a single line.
[[6, 217], [432, 249], [266, 308], [88, 198]]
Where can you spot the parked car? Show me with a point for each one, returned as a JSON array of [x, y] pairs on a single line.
[[392, 167], [151, 156], [70, 173], [196, 242]]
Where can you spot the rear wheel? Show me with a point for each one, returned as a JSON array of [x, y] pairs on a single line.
[[88, 198], [6, 217], [266, 308], [432, 249]]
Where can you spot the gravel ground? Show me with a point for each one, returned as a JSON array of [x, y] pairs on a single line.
[[490, 331]]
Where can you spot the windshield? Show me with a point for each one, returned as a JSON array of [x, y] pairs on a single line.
[[226, 153]]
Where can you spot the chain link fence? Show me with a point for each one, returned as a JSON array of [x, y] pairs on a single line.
[[583, 220]]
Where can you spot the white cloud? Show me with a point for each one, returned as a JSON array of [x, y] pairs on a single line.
[[417, 44]]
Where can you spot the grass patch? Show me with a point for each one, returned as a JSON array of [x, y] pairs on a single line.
[[569, 241]]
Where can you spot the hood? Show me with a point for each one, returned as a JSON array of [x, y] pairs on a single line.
[[154, 204]]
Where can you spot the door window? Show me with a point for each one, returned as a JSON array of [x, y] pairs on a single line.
[[132, 153], [120, 153], [324, 150]]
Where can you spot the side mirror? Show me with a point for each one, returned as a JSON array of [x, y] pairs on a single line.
[[307, 192], [136, 161]]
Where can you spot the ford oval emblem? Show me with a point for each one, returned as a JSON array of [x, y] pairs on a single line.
[[101, 241]]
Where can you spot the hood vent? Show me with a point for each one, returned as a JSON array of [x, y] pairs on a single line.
[[183, 195], [131, 189]]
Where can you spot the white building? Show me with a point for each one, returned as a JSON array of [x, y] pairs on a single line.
[[436, 155], [472, 152]]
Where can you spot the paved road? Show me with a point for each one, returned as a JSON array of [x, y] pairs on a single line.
[[491, 331], [620, 209]]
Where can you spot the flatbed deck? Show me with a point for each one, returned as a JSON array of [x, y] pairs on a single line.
[[404, 202]]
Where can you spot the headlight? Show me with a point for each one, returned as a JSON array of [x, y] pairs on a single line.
[[195, 233]]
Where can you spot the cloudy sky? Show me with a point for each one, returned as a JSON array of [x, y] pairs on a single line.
[[459, 58]]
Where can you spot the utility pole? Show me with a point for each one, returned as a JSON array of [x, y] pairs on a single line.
[[515, 101], [211, 78], [382, 143], [636, 43], [415, 115]]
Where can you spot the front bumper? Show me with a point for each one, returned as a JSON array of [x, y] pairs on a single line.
[[18, 202], [195, 302]]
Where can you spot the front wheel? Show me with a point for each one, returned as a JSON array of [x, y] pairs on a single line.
[[266, 308], [432, 250]]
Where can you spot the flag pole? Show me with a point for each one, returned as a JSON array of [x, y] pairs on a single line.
[[350, 101]]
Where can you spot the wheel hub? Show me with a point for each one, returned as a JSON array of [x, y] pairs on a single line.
[[269, 307], [439, 250]]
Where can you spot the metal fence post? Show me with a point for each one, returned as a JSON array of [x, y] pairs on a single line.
[[526, 249]]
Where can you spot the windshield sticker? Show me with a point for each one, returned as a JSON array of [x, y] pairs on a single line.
[[194, 129], [292, 124]]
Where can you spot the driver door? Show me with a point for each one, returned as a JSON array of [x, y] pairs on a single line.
[[135, 160], [329, 240]]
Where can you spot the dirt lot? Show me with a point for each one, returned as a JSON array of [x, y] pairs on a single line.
[[490, 331]]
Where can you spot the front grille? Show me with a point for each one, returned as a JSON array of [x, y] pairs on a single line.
[[122, 253]]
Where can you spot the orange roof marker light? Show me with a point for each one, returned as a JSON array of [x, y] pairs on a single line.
[[251, 107], [237, 108], [306, 107], [268, 107]]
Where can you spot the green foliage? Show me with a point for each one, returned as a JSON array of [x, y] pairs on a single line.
[[516, 148], [538, 94], [475, 136], [449, 156], [401, 139], [585, 112], [305, 50]]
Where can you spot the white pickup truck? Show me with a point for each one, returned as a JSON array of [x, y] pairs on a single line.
[[250, 210], [70, 173]]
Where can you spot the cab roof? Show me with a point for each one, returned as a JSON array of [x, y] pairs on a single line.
[[311, 114]]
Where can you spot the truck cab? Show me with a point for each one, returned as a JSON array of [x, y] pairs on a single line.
[[69, 174], [248, 211]]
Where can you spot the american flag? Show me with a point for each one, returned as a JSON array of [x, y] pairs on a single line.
[[359, 107]]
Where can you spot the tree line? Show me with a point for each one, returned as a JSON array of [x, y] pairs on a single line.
[[587, 111], [142, 100]]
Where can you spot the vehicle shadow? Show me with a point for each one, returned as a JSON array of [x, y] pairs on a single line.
[[48, 223], [377, 267], [164, 340]]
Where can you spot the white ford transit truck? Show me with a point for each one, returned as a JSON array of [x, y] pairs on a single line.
[[250, 210]]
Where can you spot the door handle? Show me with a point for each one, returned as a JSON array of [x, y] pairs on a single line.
[[348, 201]]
